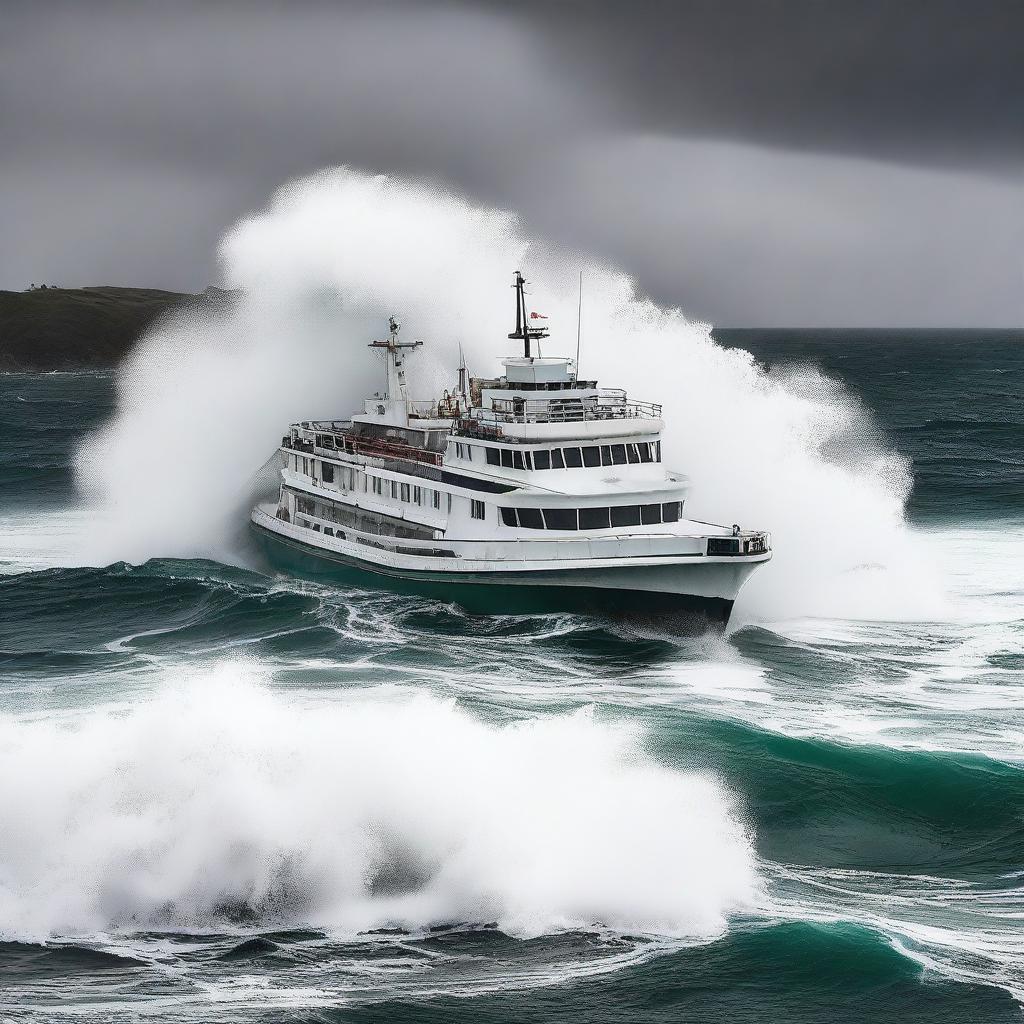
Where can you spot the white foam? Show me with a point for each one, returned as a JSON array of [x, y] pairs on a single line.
[[217, 795]]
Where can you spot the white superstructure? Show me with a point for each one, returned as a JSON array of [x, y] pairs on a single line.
[[534, 479]]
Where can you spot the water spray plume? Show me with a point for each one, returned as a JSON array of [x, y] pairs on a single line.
[[205, 397]]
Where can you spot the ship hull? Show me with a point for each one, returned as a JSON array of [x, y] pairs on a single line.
[[701, 594]]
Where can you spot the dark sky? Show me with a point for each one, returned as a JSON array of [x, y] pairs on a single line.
[[755, 161]]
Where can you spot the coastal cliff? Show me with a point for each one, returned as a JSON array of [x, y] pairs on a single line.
[[80, 328]]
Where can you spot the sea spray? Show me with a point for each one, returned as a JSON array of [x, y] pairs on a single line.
[[218, 801], [205, 397]]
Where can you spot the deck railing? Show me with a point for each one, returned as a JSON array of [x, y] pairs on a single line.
[[609, 404], [371, 448]]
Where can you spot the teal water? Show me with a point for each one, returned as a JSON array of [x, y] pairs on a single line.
[[232, 795]]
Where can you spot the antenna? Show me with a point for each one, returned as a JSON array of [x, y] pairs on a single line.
[[579, 320], [523, 330]]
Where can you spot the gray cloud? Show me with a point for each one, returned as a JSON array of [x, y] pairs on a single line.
[[763, 162]]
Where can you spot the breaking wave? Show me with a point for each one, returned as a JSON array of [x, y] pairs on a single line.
[[217, 802]]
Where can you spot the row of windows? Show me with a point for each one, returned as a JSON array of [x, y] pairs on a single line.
[[394, 489], [574, 458], [398, 491], [592, 518], [358, 519]]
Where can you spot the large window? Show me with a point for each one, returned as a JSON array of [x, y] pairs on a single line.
[[542, 460], [493, 457], [572, 458], [625, 515], [650, 514], [327, 472], [560, 518], [477, 509], [591, 456], [531, 519], [405, 492], [593, 518]]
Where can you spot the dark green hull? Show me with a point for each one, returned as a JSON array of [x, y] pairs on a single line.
[[490, 596]]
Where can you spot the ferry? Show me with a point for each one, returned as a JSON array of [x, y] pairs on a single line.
[[532, 490]]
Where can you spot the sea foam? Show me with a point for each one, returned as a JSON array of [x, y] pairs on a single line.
[[218, 802]]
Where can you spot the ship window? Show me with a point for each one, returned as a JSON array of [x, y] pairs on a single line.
[[572, 458], [542, 460], [476, 509], [528, 459], [650, 514], [327, 472], [517, 461], [437, 499], [723, 546], [618, 454], [606, 455], [508, 516], [671, 511], [493, 457], [593, 518], [645, 451], [592, 456], [561, 518], [530, 519], [417, 495], [394, 488], [625, 515], [328, 531], [657, 451], [405, 492], [316, 527], [632, 454], [557, 462], [305, 466], [449, 502], [506, 458]]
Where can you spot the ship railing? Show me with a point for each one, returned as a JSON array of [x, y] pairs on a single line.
[[608, 405], [373, 448], [327, 441]]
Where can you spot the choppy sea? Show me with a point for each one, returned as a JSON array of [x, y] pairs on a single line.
[[228, 795]]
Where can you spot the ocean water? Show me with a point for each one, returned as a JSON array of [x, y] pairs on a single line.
[[230, 795]]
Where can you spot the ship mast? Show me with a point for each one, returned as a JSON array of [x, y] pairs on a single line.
[[395, 360], [524, 332]]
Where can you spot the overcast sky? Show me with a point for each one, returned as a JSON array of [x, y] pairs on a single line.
[[759, 162]]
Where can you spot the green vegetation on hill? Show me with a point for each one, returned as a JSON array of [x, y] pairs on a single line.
[[77, 328]]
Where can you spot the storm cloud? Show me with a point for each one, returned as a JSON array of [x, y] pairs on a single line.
[[754, 162]]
